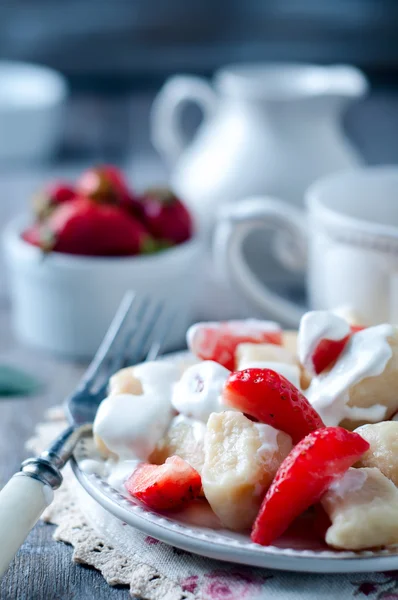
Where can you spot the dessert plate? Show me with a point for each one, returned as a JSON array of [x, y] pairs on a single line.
[[197, 530]]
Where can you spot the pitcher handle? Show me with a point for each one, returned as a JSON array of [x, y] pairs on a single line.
[[167, 135], [235, 224]]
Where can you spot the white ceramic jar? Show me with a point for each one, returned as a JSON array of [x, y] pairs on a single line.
[[32, 101], [64, 303], [267, 129]]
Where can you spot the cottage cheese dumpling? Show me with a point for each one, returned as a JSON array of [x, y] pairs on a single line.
[[383, 451], [363, 508], [361, 386], [381, 389], [152, 374], [241, 459], [255, 353], [289, 341], [129, 424], [125, 382], [184, 438]]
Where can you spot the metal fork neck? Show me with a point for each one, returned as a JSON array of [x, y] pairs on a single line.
[[47, 467]]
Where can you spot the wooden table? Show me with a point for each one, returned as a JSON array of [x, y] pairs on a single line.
[[43, 569]]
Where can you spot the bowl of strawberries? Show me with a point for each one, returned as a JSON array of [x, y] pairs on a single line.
[[86, 245]]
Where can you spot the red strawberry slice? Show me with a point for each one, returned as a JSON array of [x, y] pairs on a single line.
[[328, 351], [166, 487], [356, 328], [218, 341], [303, 477], [321, 521], [271, 399]]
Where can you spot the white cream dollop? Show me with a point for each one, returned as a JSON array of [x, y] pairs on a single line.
[[119, 473], [269, 438], [198, 393], [315, 326], [351, 481], [157, 375], [365, 355], [131, 425]]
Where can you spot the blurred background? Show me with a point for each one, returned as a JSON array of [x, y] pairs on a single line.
[[116, 55]]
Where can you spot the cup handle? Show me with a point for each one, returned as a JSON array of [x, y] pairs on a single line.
[[233, 227], [167, 134]]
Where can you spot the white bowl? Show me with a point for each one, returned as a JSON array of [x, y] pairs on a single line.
[[64, 303], [32, 99]]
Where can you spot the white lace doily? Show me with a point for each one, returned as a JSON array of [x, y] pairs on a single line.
[[127, 557]]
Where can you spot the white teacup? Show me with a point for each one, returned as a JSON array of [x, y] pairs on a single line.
[[347, 244]]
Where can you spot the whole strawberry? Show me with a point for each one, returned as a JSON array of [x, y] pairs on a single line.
[[54, 194], [165, 216], [86, 228], [104, 184]]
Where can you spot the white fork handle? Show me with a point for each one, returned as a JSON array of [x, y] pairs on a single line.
[[22, 501]]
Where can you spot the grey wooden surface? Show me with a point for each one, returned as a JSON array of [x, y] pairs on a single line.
[[43, 568]]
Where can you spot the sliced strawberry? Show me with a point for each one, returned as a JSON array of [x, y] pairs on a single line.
[[322, 338], [166, 487], [272, 399], [218, 341], [327, 352], [304, 476], [356, 328], [321, 521]]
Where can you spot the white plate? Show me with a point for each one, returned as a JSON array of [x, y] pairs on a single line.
[[294, 552]]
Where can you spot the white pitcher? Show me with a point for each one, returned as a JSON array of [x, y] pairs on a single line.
[[267, 129]]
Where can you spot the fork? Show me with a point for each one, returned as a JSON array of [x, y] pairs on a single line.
[[30, 491]]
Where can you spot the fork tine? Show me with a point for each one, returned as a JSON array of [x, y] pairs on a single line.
[[110, 338], [140, 341], [166, 323], [119, 355]]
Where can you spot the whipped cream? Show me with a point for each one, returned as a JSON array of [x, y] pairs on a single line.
[[120, 472], [199, 342], [315, 326], [350, 314], [198, 393], [198, 428], [157, 375], [291, 372], [93, 467], [365, 355], [269, 438], [351, 481], [130, 426]]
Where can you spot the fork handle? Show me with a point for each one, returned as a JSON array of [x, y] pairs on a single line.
[[22, 501]]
